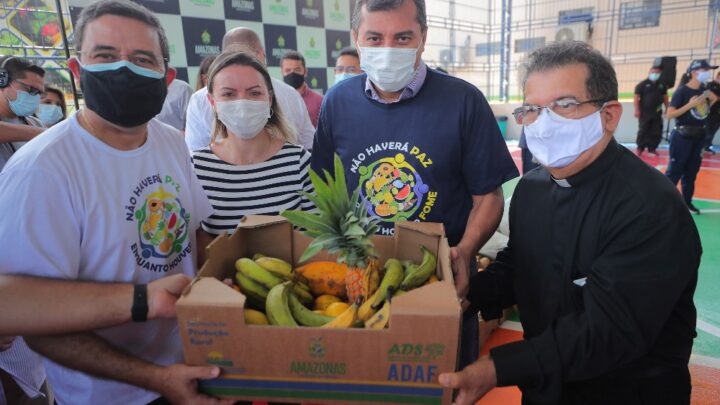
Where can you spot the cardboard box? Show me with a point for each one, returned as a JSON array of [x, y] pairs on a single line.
[[332, 366]]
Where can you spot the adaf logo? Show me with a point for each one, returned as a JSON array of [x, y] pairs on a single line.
[[391, 188], [162, 225]]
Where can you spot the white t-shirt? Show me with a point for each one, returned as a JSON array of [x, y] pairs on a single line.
[[200, 116], [75, 208], [176, 104]]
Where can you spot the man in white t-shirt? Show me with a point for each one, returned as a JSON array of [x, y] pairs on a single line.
[[200, 113], [109, 195], [176, 103]]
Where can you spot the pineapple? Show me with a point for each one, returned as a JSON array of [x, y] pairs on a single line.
[[342, 227]]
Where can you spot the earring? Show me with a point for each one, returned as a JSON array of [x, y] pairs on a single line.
[[271, 112]]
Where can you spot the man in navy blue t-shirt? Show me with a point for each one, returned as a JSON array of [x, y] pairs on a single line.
[[421, 145]]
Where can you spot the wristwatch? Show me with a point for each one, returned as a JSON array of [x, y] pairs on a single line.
[[139, 308]]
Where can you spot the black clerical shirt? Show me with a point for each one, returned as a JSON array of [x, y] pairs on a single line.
[[603, 267]]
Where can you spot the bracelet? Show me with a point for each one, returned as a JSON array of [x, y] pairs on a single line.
[[139, 310]]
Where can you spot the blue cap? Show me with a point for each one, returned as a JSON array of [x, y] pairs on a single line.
[[700, 64]]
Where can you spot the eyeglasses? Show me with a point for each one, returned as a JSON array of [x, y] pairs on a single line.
[[142, 59], [32, 90], [564, 107], [347, 69]]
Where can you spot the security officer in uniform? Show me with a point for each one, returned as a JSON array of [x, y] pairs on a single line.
[[650, 96], [690, 106]]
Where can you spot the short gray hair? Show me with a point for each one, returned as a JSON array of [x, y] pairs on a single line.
[[601, 83], [384, 5]]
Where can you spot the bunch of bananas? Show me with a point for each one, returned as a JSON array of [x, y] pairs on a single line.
[[278, 295]]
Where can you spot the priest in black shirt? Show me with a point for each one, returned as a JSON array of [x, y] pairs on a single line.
[[602, 258]]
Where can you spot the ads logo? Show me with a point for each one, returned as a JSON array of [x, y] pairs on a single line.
[[205, 37]]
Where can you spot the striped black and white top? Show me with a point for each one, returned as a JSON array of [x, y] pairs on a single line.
[[265, 188]]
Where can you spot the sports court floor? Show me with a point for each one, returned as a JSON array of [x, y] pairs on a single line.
[[705, 360]]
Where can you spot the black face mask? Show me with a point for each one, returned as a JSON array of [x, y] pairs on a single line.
[[123, 97], [294, 79]]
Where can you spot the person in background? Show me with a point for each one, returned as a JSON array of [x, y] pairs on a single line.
[[200, 113], [21, 88], [602, 259], [294, 74], [52, 108], [252, 165], [175, 106], [690, 106], [650, 97], [712, 123], [347, 64], [201, 80]]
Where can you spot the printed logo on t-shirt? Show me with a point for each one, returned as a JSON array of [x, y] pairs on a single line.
[[701, 111], [162, 224], [391, 187]]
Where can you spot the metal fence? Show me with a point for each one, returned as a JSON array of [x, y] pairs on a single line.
[[486, 41]]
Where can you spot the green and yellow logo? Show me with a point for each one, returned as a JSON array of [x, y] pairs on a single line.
[[338, 44], [218, 359], [205, 38], [314, 82], [204, 3], [317, 348], [280, 8], [309, 3], [281, 41]]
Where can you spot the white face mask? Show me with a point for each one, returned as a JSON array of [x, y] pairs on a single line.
[[243, 118], [556, 141], [390, 69], [704, 76]]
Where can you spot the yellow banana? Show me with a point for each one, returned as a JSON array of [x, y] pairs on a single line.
[[345, 320], [277, 305], [366, 310], [381, 318], [394, 274], [253, 270], [416, 276], [257, 256], [278, 267], [305, 316]]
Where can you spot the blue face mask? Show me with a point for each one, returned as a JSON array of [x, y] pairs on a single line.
[[704, 76], [49, 114], [654, 76], [24, 104], [343, 76]]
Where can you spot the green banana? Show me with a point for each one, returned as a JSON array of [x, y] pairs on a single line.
[[277, 305], [253, 270], [394, 274], [279, 268], [302, 295], [257, 256], [416, 276], [304, 316], [255, 293]]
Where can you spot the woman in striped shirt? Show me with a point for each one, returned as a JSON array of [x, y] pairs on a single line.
[[252, 165]]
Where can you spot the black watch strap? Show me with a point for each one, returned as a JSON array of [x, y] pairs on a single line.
[[139, 309]]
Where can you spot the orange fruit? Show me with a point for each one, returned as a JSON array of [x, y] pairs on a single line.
[[336, 308], [324, 300]]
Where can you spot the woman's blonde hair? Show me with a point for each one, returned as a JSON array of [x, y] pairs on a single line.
[[277, 126]]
